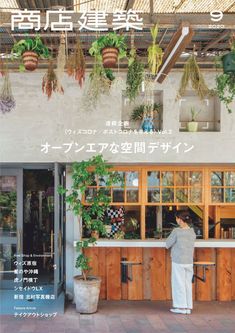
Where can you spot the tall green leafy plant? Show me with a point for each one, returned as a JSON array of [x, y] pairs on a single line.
[[155, 53], [84, 174], [135, 76], [225, 88]]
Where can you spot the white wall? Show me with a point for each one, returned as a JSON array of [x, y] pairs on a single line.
[[36, 120]]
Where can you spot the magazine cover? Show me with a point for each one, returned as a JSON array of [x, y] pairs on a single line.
[[117, 166]]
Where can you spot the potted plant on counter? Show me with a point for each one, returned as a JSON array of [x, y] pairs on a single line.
[[30, 50], [109, 48], [91, 214], [192, 125]]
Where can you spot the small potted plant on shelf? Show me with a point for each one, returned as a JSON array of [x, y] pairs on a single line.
[[87, 287], [109, 48], [146, 114], [30, 50], [225, 83], [192, 125], [97, 228]]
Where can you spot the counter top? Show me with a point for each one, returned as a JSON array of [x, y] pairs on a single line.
[[213, 243]]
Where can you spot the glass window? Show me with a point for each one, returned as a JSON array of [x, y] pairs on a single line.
[[118, 195], [132, 179], [153, 178], [181, 178], [217, 195], [181, 195], [217, 178], [167, 178], [229, 178], [8, 202], [195, 178], [153, 195]]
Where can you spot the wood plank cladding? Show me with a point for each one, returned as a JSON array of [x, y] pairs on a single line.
[[151, 279]]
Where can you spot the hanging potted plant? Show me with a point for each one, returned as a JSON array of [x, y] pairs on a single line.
[[155, 53], [192, 77], [109, 48], [7, 101], [146, 114], [30, 50], [192, 125], [225, 83], [87, 287], [228, 60]]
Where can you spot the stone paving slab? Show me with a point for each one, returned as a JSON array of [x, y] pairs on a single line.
[[130, 317]]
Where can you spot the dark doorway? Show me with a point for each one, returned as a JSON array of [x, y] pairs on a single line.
[[38, 222]]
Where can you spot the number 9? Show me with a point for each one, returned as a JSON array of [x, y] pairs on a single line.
[[216, 15]]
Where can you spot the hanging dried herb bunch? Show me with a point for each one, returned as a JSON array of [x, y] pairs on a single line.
[[61, 60], [135, 76], [7, 102], [192, 75], [76, 64], [100, 81], [50, 82]]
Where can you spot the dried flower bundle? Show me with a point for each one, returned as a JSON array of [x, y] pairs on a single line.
[[76, 64], [50, 82], [61, 60], [193, 75], [7, 102]]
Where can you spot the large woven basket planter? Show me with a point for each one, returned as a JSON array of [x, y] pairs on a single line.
[[30, 60], [86, 293], [110, 57], [229, 63]]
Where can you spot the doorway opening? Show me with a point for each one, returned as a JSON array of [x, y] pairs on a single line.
[[38, 225]]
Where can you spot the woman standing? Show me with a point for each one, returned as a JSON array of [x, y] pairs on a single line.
[[181, 241]]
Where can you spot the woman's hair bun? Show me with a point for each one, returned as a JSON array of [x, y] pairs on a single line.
[[184, 216]]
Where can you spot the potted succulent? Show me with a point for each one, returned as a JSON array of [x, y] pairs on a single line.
[[30, 50], [90, 214], [146, 113], [225, 83], [109, 48], [192, 125]]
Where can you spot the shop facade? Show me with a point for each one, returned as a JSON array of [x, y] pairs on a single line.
[[162, 171]]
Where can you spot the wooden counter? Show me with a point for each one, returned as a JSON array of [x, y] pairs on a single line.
[[152, 279]]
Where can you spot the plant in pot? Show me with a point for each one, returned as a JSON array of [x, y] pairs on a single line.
[[192, 125], [109, 48], [146, 114], [30, 50], [97, 228], [87, 287], [225, 83]]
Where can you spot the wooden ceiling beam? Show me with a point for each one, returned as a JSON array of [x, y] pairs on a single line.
[[214, 42], [129, 4], [171, 54]]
